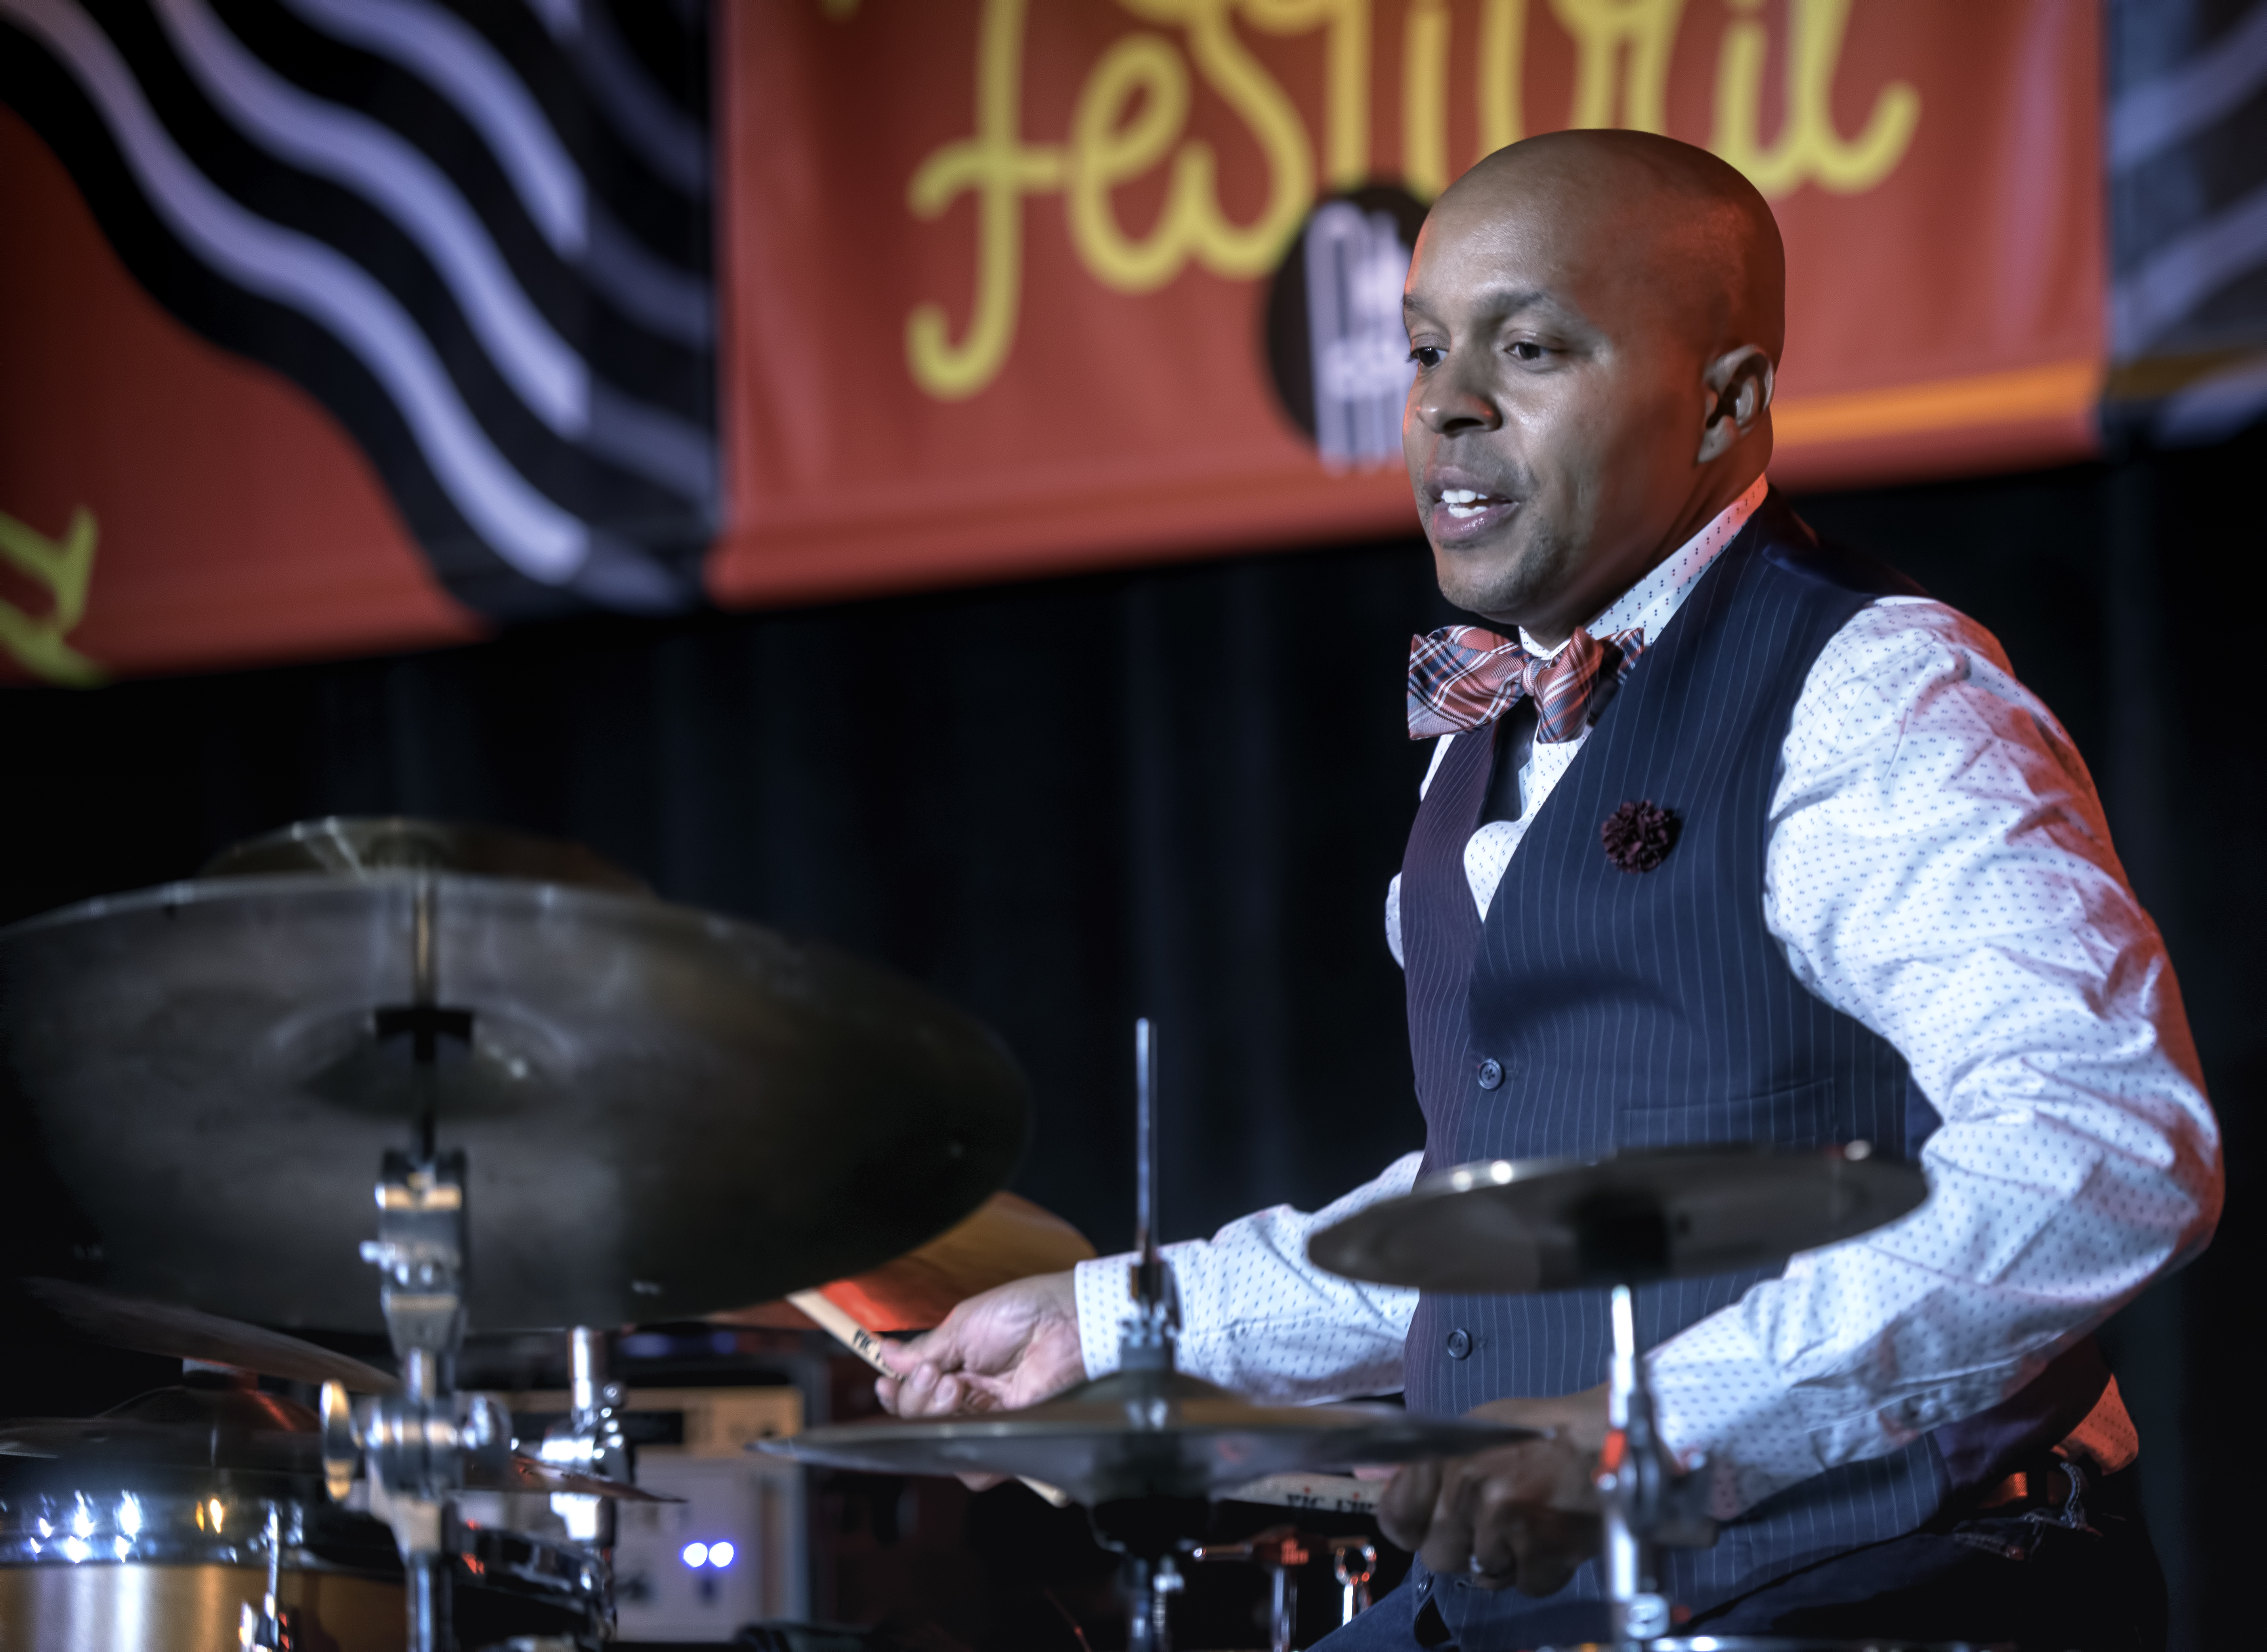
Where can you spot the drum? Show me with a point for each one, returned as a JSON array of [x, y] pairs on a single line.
[[173, 1572], [115, 1570], [147, 1529]]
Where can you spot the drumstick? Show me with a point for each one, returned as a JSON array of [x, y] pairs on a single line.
[[1331, 1494], [868, 1346], [844, 1329]]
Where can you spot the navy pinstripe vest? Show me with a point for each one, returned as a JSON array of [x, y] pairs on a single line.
[[1597, 1009]]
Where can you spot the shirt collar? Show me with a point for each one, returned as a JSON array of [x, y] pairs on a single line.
[[1652, 601]]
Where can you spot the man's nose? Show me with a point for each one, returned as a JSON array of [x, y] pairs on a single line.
[[1448, 402]]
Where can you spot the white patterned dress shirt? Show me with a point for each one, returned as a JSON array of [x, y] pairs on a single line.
[[1937, 869]]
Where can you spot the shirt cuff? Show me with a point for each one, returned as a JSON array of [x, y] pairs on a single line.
[[1718, 1398], [1104, 1298]]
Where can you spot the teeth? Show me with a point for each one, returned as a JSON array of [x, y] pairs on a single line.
[[1464, 503]]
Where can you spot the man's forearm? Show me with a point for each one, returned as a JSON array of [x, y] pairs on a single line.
[[1258, 1317], [1862, 1348], [1940, 872]]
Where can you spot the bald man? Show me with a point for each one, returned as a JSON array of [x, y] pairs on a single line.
[[1728, 836]]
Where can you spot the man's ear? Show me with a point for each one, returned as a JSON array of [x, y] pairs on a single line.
[[1740, 384]]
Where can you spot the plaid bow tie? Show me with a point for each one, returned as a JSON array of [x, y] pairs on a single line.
[[1462, 676]]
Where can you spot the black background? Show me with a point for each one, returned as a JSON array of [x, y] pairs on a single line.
[[1181, 793]]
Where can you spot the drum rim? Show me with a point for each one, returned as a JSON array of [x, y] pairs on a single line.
[[165, 1531]]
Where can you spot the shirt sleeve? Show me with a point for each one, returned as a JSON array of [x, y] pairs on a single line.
[[1258, 1317], [1939, 869]]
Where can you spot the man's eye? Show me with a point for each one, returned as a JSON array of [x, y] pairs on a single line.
[[1427, 354], [1526, 350]]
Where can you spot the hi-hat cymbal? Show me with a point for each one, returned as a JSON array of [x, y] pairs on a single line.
[[1006, 1239], [160, 1327], [665, 1112], [1520, 1225], [1144, 1434]]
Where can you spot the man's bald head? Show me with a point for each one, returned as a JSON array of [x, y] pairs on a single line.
[[1597, 317], [1692, 221]]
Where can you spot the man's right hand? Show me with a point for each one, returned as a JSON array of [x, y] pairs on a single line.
[[1010, 1348]]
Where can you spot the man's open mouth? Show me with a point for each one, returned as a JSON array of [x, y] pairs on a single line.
[[1466, 514], [1466, 503]]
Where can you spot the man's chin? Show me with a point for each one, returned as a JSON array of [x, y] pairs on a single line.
[[1485, 582], [1504, 577]]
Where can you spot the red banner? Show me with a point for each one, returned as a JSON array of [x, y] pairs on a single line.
[[331, 338], [1001, 269]]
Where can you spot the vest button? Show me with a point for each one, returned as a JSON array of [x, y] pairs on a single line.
[[1460, 1343], [1491, 1073]]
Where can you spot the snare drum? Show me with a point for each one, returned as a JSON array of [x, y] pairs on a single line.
[[127, 1571], [146, 1531], [158, 1571]]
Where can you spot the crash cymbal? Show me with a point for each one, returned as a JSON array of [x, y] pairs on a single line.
[[1006, 1239], [1529, 1224], [244, 1431], [354, 844], [1144, 1434], [158, 1328], [665, 1112]]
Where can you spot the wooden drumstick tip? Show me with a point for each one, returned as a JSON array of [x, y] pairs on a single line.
[[844, 1329]]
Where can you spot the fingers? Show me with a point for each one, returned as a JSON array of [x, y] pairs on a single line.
[[1548, 1544], [1448, 1547], [1404, 1509], [1516, 1543], [1498, 1529], [939, 1347], [1007, 1348], [924, 1390], [1490, 1519], [980, 1392], [926, 1385]]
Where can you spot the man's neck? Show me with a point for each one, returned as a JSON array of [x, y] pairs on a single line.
[[1722, 492]]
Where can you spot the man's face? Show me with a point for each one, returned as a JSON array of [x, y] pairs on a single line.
[[1552, 428]]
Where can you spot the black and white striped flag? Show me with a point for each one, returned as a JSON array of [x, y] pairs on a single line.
[[479, 234], [2187, 152]]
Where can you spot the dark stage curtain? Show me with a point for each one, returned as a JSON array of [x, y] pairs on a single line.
[[1180, 793]]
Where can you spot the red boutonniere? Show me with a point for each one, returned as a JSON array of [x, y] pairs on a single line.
[[1638, 835]]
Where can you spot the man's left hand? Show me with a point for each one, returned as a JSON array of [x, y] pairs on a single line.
[[1526, 1515]]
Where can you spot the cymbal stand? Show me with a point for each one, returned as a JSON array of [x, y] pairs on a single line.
[[1280, 1551], [414, 1443], [1149, 1532], [589, 1442], [269, 1628], [1353, 1575], [1145, 1336], [1650, 1502]]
